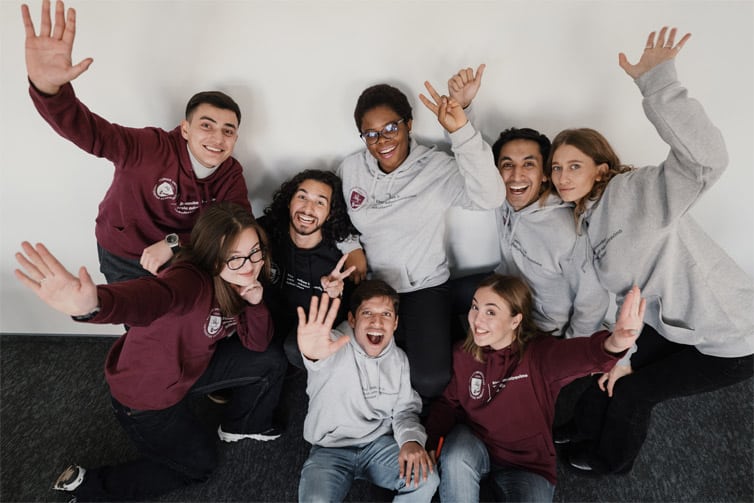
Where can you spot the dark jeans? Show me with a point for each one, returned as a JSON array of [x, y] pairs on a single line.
[[176, 448], [615, 428], [424, 334], [116, 269]]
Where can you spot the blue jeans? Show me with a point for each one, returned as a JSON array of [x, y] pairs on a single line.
[[329, 471], [176, 448], [464, 462]]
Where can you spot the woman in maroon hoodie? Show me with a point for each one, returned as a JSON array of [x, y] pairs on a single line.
[[495, 416], [198, 327]]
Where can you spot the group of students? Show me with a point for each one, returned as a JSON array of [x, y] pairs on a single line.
[[217, 303]]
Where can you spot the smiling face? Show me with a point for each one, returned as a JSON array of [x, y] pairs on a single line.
[[389, 152], [521, 165], [490, 319], [574, 173], [211, 134], [374, 323], [309, 209], [245, 245]]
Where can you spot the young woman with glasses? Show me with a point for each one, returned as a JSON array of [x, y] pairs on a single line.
[[398, 192], [197, 327]]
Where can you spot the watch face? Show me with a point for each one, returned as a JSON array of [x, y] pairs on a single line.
[[172, 239]]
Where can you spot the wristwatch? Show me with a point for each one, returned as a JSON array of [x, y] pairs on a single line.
[[173, 241]]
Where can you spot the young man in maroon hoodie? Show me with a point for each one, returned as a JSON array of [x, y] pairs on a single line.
[[162, 179]]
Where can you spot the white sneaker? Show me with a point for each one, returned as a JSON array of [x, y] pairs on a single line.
[[265, 436], [70, 479]]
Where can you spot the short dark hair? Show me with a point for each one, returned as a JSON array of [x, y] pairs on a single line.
[[382, 95], [526, 133], [217, 99], [369, 289], [338, 225], [212, 237]]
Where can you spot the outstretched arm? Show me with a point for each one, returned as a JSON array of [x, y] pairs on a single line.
[[51, 282], [314, 334], [655, 52], [48, 54], [464, 85]]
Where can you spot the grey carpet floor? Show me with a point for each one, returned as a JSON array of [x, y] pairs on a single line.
[[54, 410]]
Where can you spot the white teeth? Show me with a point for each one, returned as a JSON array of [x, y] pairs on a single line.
[[388, 150], [213, 149], [522, 187], [307, 220]]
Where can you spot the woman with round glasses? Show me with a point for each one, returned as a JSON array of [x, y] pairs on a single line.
[[197, 327], [398, 192]]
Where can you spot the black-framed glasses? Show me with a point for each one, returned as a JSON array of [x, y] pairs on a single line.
[[235, 263], [389, 131]]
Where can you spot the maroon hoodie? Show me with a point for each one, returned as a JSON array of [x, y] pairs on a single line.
[[175, 324], [509, 404], [154, 191]]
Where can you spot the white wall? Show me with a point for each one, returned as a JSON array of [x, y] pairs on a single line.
[[297, 67]]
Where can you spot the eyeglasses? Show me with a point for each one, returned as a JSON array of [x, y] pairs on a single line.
[[235, 263], [389, 131]]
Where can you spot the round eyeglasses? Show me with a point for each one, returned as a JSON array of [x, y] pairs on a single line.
[[235, 263], [371, 137]]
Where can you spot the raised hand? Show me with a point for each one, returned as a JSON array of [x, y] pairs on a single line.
[[464, 85], [654, 53], [48, 55], [449, 112], [333, 284], [52, 283], [314, 334], [629, 323]]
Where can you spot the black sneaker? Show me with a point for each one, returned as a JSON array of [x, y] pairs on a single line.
[[565, 433], [70, 479]]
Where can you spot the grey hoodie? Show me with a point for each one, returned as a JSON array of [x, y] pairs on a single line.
[[640, 231], [538, 244], [401, 215], [355, 398]]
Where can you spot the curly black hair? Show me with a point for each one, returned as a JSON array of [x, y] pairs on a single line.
[[336, 228], [382, 95]]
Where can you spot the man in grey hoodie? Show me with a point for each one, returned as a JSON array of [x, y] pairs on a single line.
[[538, 241], [363, 414]]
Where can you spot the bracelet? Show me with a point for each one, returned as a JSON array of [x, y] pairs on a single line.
[[86, 317]]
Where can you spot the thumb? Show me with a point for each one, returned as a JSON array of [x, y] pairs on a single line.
[[623, 63], [338, 344], [80, 68]]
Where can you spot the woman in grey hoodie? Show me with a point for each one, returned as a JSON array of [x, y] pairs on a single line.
[[699, 320], [398, 192]]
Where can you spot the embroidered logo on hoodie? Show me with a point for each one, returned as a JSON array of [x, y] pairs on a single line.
[[165, 189], [214, 323], [358, 198], [476, 385]]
